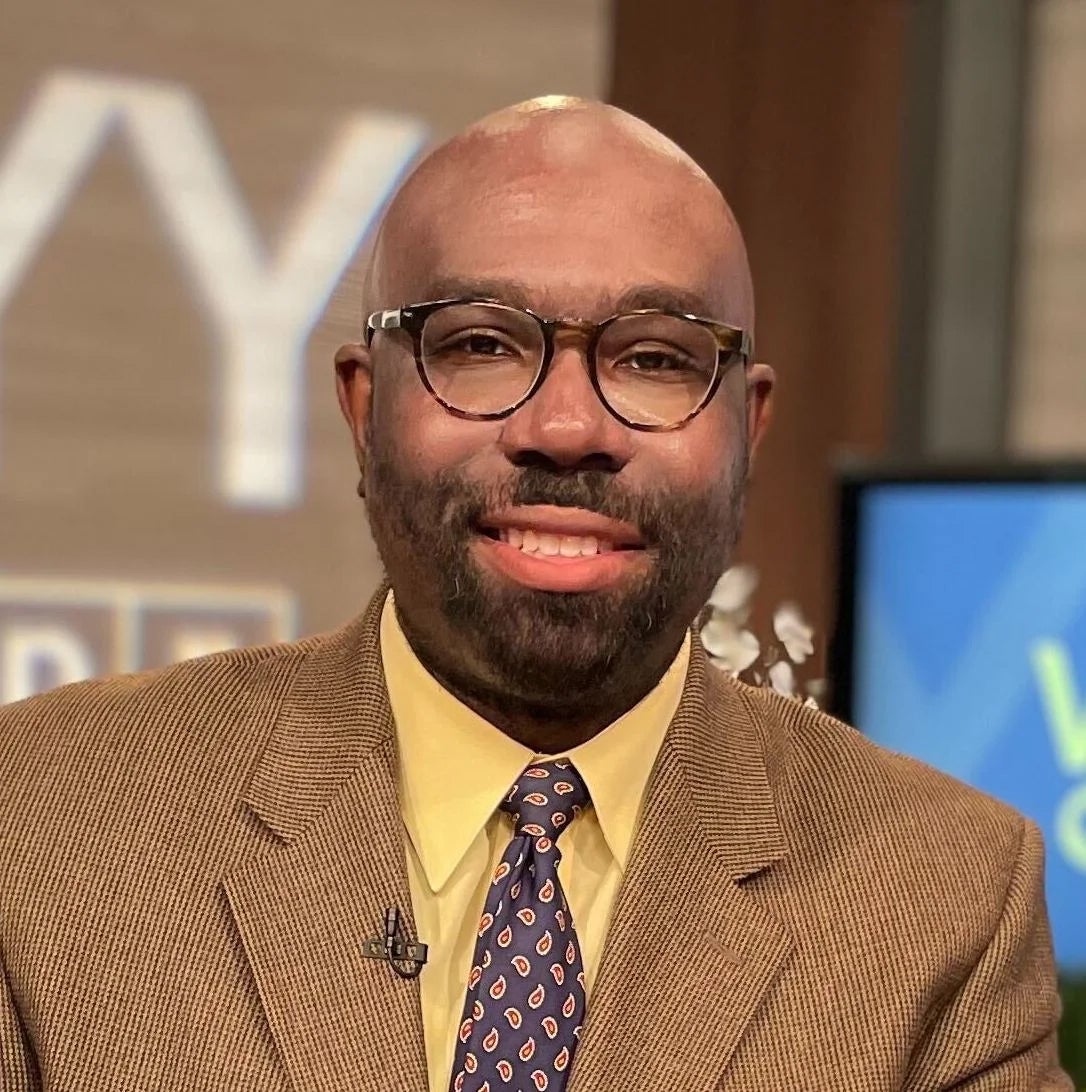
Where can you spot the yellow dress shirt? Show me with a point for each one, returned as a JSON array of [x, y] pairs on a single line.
[[455, 768]]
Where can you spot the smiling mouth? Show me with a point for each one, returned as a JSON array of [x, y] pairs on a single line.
[[548, 544], [555, 549]]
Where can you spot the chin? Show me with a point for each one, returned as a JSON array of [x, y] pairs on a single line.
[[545, 647]]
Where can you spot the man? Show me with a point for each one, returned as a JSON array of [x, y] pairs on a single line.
[[553, 406]]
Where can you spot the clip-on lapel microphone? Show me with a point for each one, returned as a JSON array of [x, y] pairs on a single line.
[[405, 957]]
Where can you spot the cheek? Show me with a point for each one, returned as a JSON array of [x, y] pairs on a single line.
[[699, 456], [427, 436]]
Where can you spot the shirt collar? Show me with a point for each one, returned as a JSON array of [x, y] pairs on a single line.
[[455, 767], [617, 762]]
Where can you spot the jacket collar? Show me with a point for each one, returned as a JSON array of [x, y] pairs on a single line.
[[334, 714], [336, 711]]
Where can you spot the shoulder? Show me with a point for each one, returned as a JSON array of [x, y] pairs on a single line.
[[117, 783], [92, 728], [847, 802], [214, 675], [844, 769]]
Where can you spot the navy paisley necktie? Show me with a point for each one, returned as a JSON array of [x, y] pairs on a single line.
[[525, 1000]]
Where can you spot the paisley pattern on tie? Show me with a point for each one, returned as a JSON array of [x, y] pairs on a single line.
[[525, 1001]]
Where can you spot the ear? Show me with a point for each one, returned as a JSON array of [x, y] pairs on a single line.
[[761, 381], [354, 389]]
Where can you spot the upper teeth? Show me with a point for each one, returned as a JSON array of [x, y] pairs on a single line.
[[540, 542]]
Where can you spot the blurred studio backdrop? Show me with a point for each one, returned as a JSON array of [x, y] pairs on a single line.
[[184, 189]]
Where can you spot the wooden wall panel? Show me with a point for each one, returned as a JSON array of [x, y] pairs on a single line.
[[795, 109], [1048, 410]]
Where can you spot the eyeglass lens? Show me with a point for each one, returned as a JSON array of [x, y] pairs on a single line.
[[651, 369]]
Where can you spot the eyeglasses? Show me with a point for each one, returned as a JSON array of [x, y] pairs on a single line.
[[654, 370]]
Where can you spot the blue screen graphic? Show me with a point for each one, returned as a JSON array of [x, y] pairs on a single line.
[[970, 654]]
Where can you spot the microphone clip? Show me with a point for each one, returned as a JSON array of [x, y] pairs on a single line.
[[406, 957]]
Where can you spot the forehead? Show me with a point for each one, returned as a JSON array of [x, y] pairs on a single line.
[[563, 244], [588, 300]]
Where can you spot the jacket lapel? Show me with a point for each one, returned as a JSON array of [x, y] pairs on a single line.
[[326, 786], [690, 952]]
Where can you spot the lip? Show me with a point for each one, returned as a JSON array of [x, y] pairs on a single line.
[[550, 519], [556, 574]]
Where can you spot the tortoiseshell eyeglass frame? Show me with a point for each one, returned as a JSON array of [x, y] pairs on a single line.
[[734, 345]]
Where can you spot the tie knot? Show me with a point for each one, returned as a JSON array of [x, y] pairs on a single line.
[[546, 798]]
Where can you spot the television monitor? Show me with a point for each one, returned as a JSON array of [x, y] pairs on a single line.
[[961, 640]]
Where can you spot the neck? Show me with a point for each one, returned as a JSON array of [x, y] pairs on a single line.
[[556, 726], [546, 731]]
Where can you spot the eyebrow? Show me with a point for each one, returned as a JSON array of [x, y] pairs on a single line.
[[515, 293], [664, 297]]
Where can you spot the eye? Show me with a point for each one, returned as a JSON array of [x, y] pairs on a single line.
[[656, 360], [478, 343], [483, 343]]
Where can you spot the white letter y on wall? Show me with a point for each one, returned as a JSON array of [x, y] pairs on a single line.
[[262, 307]]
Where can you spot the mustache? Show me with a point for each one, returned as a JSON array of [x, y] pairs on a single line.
[[592, 490], [596, 490]]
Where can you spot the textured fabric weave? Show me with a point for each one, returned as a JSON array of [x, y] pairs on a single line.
[[192, 859], [525, 1002]]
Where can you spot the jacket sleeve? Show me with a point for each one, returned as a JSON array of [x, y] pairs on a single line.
[[18, 1069], [997, 1032]]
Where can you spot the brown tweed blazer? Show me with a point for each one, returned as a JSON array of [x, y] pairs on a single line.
[[190, 860]]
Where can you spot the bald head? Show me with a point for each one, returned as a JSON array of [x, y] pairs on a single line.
[[557, 195], [571, 210]]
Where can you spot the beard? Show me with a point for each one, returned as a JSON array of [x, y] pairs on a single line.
[[541, 653]]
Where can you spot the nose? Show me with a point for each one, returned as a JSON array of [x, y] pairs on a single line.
[[565, 423]]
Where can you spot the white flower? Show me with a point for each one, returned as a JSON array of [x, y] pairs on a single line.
[[816, 689], [782, 678], [734, 590], [793, 632], [729, 645], [724, 666]]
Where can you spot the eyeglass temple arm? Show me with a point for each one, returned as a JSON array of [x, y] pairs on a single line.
[[745, 348], [383, 320]]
